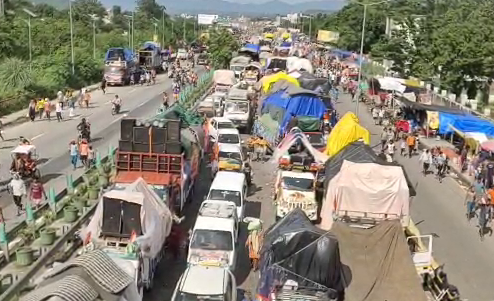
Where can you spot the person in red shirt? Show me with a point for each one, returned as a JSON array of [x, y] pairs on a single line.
[[37, 192]]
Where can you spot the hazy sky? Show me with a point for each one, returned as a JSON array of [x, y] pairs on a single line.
[[261, 1]]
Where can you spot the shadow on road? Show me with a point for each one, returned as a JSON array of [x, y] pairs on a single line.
[[48, 177]]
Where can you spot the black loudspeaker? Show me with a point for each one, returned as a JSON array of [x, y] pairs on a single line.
[[125, 146], [141, 135], [127, 129], [158, 135], [173, 148], [173, 130], [111, 217], [140, 147], [158, 148], [131, 219]]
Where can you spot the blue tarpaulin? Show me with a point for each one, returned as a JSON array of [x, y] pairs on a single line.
[[116, 53], [295, 105], [151, 46], [252, 47], [464, 124], [286, 44]]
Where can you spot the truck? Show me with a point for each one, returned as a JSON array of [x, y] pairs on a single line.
[[164, 151], [119, 66], [149, 56], [238, 107], [238, 64], [131, 225]]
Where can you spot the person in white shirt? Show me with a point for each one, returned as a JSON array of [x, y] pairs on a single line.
[[426, 159], [18, 190], [58, 110], [391, 148]]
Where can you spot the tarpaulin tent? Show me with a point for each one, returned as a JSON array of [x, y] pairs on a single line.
[[240, 60], [251, 48], [276, 63], [151, 46], [286, 44], [311, 82], [357, 152], [366, 190], [123, 54], [301, 64], [346, 131], [296, 135], [268, 81], [293, 105], [294, 248], [380, 263], [465, 124]]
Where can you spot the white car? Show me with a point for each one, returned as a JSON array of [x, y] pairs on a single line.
[[182, 54], [229, 136], [206, 283], [229, 186], [218, 123]]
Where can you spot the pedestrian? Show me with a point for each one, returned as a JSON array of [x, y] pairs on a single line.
[[375, 115], [254, 243], [47, 108], [384, 138], [103, 85], [411, 144], [84, 152], [426, 159], [73, 153], [403, 145], [165, 100], [381, 115], [58, 110], [18, 190], [32, 110], [1, 130], [90, 156], [470, 202], [391, 148], [41, 108], [37, 192], [87, 99], [478, 188]]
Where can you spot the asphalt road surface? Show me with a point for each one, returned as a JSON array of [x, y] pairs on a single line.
[[438, 209]]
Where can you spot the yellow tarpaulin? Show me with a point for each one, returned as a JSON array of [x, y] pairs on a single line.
[[268, 81], [346, 131], [433, 120], [286, 36], [269, 36], [327, 36]]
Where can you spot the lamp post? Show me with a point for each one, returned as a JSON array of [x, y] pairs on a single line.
[[131, 30], [155, 23], [184, 31], [94, 18], [163, 26], [71, 37], [29, 15], [357, 95]]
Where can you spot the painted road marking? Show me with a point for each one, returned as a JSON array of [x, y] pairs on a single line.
[[37, 136]]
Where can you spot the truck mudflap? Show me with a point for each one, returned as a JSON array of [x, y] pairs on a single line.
[[260, 130]]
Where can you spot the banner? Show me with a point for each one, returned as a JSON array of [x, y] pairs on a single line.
[[327, 36], [206, 19]]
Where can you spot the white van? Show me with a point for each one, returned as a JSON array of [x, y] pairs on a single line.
[[213, 242], [229, 136], [229, 186]]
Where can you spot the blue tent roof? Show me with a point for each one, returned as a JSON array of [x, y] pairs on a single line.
[[114, 52], [286, 44], [253, 47], [465, 124], [296, 105], [151, 46]]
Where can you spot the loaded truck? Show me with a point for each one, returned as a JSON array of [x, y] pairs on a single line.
[[149, 56], [119, 66]]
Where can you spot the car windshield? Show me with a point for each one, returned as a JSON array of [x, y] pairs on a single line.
[[225, 195], [315, 138], [212, 240], [228, 138], [181, 296], [225, 125], [230, 155], [298, 184], [231, 107]]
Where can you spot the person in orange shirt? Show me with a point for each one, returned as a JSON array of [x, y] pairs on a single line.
[[84, 152], [411, 140]]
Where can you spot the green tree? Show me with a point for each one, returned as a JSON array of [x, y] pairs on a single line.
[[221, 44]]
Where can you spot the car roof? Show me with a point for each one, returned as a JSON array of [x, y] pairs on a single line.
[[230, 147], [228, 131], [300, 175], [194, 276], [218, 209], [228, 180], [214, 223], [222, 119]]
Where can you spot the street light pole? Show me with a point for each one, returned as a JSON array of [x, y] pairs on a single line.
[[359, 90], [132, 31], [130, 43], [94, 18], [71, 37], [184, 31], [30, 40], [310, 28], [163, 27]]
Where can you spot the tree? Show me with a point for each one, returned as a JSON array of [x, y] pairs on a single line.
[[221, 44]]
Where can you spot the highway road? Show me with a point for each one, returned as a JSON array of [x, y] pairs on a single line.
[[438, 209], [52, 138]]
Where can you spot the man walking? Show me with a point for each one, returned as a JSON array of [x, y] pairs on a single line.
[[18, 190]]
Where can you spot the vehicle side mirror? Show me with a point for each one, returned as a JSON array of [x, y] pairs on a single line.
[[242, 141]]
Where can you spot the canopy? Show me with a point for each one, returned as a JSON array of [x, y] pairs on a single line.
[[156, 218], [380, 263], [464, 124], [357, 152], [151, 46], [290, 139], [293, 105], [311, 82], [113, 53], [366, 189], [250, 48], [435, 108], [224, 77], [346, 131], [268, 81], [294, 248]]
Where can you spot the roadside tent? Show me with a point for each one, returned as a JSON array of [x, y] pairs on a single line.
[[449, 123], [358, 152], [346, 131], [268, 81], [379, 262], [295, 249], [367, 190]]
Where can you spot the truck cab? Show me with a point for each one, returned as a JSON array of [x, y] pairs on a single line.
[[295, 189], [239, 112], [209, 283]]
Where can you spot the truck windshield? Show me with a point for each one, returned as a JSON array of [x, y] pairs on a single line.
[[181, 296], [230, 155], [228, 138], [225, 125], [315, 138], [225, 195], [231, 107], [298, 184], [214, 240], [113, 70]]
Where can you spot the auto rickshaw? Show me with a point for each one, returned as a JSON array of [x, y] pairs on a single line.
[[24, 161]]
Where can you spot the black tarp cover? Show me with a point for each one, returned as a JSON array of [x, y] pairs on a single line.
[[357, 152], [303, 251], [310, 82]]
